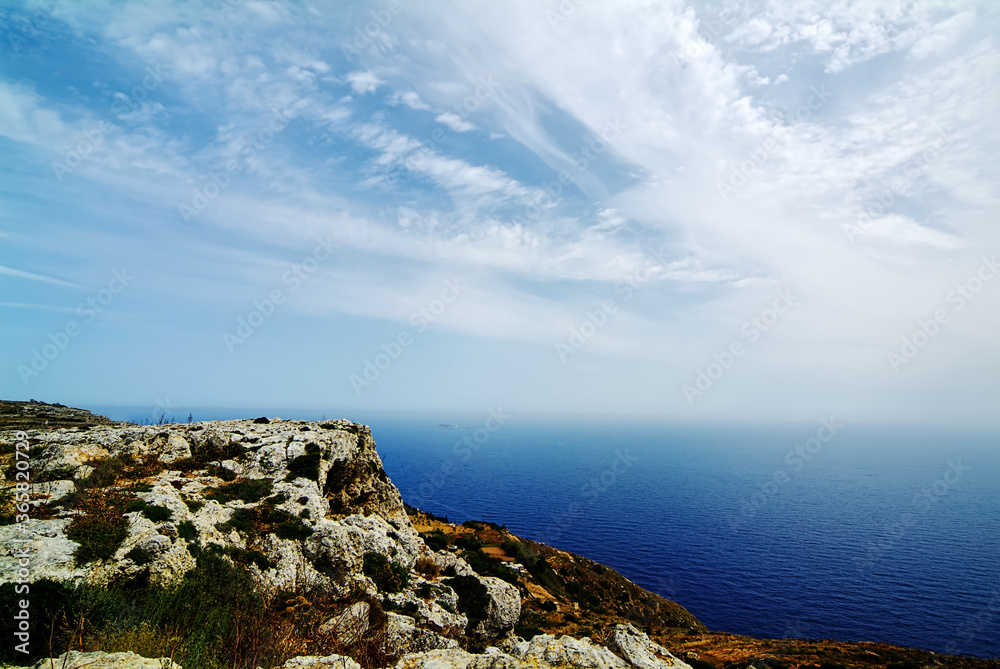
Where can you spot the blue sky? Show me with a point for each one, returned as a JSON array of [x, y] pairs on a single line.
[[721, 210]]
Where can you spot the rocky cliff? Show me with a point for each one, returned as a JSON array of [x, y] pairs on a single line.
[[294, 521]]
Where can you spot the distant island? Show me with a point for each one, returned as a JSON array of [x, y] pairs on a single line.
[[283, 543]]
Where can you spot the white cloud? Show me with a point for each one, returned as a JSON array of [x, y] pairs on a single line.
[[410, 99], [364, 82], [455, 122]]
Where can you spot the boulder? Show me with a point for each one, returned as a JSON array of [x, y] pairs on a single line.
[[317, 662], [456, 658], [53, 491], [50, 549], [100, 660], [504, 608], [567, 651], [349, 626], [176, 448], [403, 636], [639, 651]]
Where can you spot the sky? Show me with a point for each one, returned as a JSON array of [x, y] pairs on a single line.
[[706, 211]]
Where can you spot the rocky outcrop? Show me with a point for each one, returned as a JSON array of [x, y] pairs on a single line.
[[503, 610], [325, 478], [639, 651], [460, 659], [100, 660], [305, 507], [46, 541], [545, 651], [38, 415], [565, 650], [326, 662], [302, 505]]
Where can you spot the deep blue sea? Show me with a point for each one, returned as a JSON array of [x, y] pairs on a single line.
[[849, 532]]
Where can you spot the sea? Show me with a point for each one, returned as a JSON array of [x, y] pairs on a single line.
[[815, 530]]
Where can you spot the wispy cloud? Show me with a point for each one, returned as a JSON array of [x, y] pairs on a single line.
[[552, 153], [31, 276]]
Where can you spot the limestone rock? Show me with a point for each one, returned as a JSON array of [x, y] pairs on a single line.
[[349, 626], [317, 662], [403, 636], [567, 651], [342, 543], [51, 551], [459, 659], [101, 660], [504, 608], [177, 448], [639, 651], [53, 491]]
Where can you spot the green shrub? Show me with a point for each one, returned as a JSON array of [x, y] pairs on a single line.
[[528, 625], [194, 505], [246, 490], [436, 540], [468, 543], [242, 520], [276, 499], [305, 466], [473, 597], [154, 512], [221, 472], [100, 531], [536, 565], [388, 575], [293, 530], [187, 530], [699, 664], [582, 595], [140, 556], [487, 565], [250, 557], [47, 601]]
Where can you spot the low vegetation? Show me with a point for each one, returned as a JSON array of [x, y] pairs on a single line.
[[388, 575]]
